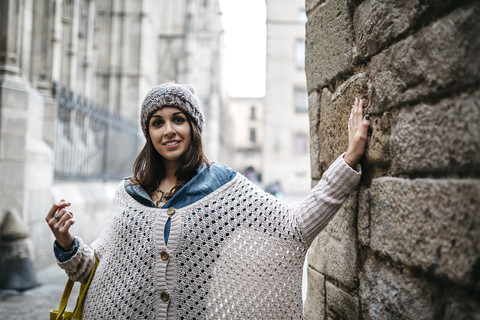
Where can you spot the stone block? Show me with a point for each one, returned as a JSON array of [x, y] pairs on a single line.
[[378, 144], [314, 307], [13, 121], [425, 138], [334, 250], [49, 120], [432, 224], [340, 304], [328, 43], [377, 24], [12, 147], [314, 121], [386, 293], [14, 93], [310, 5], [363, 220], [13, 227], [12, 176], [441, 57], [462, 307], [334, 114]]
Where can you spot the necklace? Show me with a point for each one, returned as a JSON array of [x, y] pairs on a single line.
[[163, 196]]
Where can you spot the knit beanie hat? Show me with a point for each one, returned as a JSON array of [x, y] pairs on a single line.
[[171, 94]]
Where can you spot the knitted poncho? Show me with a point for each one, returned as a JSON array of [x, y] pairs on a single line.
[[238, 253]]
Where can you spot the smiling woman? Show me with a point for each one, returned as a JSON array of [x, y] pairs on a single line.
[[169, 131], [172, 122], [188, 239]]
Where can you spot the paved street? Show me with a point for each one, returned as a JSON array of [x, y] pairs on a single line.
[[35, 304]]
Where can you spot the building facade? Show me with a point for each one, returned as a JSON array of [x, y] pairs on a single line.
[[286, 140], [246, 136]]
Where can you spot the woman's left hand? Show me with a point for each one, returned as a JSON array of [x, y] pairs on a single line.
[[357, 134]]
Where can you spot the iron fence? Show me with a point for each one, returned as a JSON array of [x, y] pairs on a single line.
[[91, 141]]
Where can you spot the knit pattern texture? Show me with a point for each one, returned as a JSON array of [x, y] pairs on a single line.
[[236, 254], [171, 94]]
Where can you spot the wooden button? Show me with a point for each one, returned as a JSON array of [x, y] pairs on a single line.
[[164, 255], [164, 296]]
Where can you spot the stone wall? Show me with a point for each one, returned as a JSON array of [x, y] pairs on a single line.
[[407, 244]]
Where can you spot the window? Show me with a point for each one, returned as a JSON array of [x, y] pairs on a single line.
[[300, 143], [301, 100], [300, 53], [253, 135], [252, 113]]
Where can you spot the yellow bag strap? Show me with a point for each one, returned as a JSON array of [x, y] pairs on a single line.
[[77, 312], [65, 296]]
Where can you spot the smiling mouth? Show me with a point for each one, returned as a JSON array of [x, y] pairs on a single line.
[[171, 143]]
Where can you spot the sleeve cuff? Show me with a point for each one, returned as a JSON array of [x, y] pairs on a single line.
[[342, 176], [61, 254], [358, 167]]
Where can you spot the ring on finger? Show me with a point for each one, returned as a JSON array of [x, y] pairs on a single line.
[[56, 216]]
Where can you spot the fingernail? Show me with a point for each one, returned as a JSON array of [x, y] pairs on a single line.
[[68, 203], [367, 117]]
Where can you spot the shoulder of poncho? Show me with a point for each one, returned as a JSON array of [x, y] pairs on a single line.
[[238, 181]]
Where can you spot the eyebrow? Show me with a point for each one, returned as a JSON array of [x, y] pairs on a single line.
[[158, 116]]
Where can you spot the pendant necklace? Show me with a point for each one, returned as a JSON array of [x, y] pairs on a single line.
[[163, 196]]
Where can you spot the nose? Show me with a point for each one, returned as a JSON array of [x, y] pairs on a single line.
[[169, 130]]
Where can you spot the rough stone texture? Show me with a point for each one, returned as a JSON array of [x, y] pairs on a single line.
[[334, 251], [439, 58], [25, 160], [315, 141], [328, 43], [315, 302], [438, 138], [310, 5], [386, 293], [462, 308], [334, 113], [379, 23], [13, 228], [415, 253], [363, 218], [378, 144], [341, 305], [428, 223]]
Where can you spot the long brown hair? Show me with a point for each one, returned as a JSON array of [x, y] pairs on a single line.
[[149, 169]]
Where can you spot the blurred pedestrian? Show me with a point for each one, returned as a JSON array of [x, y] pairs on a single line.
[[192, 239]]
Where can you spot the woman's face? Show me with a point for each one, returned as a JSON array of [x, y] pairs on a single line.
[[170, 133]]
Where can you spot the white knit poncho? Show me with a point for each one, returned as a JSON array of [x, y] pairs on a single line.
[[238, 253]]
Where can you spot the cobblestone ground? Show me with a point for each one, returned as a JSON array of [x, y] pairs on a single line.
[[36, 303]]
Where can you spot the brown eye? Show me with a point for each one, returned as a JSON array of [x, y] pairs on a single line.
[[178, 120], [157, 122]]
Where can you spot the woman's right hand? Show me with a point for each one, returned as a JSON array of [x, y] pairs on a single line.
[[60, 220]]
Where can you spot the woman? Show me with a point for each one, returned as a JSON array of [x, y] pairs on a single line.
[[189, 239]]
